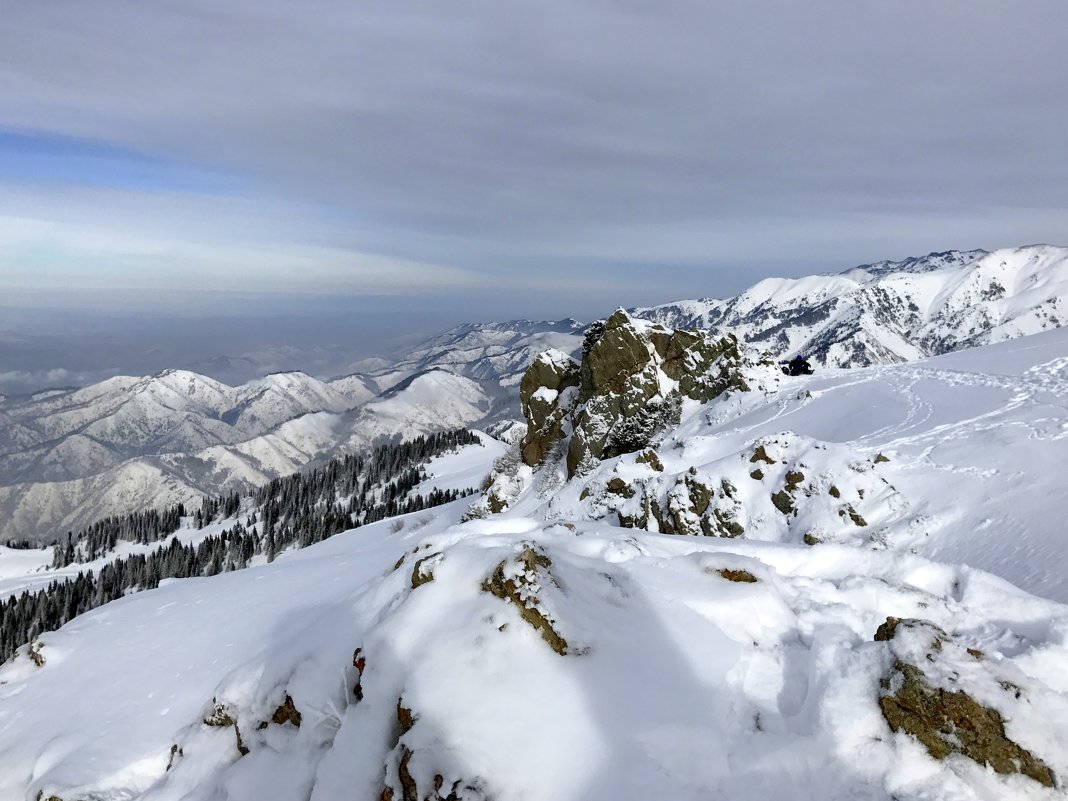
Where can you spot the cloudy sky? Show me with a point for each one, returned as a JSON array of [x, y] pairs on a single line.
[[440, 160]]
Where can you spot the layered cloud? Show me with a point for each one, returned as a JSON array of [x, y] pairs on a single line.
[[400, 147]]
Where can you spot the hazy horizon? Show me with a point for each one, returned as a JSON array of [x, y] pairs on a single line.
[[51, 339], [207, 179]]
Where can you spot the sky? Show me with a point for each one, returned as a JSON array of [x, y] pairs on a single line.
[[340, 174]]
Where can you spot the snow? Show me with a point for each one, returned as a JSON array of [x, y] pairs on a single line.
[[892, 311], [463, 469], [681, 684], [154, 441], [432, 401], [675, 681], [976, 442]]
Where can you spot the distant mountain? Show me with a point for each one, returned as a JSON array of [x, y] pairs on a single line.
[[496, 354], [128, 443], [890, 312], [131, 443]]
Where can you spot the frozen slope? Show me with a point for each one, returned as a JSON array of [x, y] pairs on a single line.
[[674, 681], [972, 449], [977, 442], [542, 654]]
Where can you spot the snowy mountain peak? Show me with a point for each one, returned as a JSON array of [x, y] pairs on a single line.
[[918, 264], [892, 311]]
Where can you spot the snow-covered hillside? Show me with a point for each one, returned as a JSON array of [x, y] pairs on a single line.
[[69, 457], [892, 311], [127, 444], [843, 644], [495, 354]]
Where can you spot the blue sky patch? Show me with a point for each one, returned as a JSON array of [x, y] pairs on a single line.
[[42, 159]]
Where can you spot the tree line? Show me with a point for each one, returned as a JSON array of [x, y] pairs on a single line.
[[295, 511], [100, 538]]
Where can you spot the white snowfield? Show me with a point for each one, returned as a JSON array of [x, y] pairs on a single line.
[[655, 666], [977, 443]]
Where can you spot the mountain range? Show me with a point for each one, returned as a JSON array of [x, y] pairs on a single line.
[[693, 577], [889, 311], [68, 457]]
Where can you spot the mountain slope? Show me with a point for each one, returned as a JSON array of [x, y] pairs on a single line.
[[955, 457], [201, 436], [892, 311], [138, 443], [495, 354], [566, 649]]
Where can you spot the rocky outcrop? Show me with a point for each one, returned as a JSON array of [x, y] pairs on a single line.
[[519, 581], [946, 720], [631, 384], [803, 491], [404, 771], [544, 399]]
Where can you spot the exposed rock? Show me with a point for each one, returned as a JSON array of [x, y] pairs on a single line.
[[221, 718], [399, 771], [519, 581], [287, 712], [650, 458], [630, 386], [424, 575], [741, 576], [853, 515], [946, 721], [359, 661], [175, 753], [783, 502], [540, 394], [761, 455]]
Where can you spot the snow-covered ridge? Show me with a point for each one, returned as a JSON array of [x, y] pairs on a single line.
[[129, 443], [70, 457], [559, 650], [890, 312]]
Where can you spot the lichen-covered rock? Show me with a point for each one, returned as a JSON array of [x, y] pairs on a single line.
[[948, 720], [737, 575], [628, 389], [520, 581], [633, 380], [545, 402], [423, 572]]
